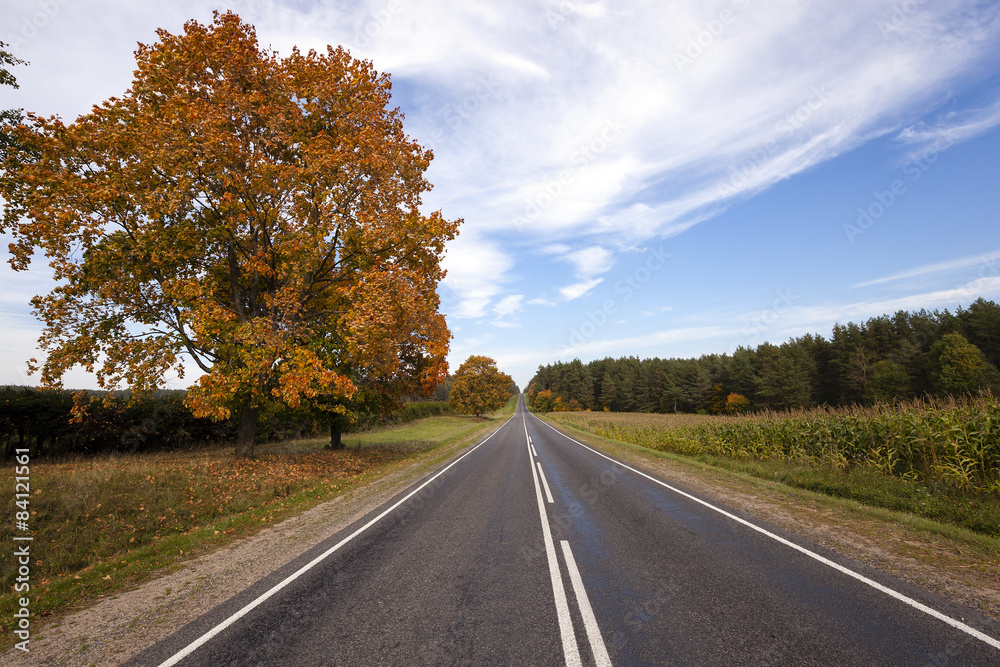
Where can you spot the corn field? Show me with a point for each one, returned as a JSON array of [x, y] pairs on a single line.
[[952, 443]]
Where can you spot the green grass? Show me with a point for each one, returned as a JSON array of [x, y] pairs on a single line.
[[979, 513], [427, 432], [510, 408], [105, 524], [417, 434]]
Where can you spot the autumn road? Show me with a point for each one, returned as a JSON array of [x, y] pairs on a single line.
[[533, 549]]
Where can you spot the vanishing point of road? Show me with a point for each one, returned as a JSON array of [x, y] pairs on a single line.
[[531, 548]]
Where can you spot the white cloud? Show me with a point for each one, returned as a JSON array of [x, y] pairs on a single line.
[[942, 298], [442, 37], [590, 261], [509, 305], [987, 263], [505, 308], [587, 262], [476, 271], [953, 127], [590, 124], [726, 126], [576, 290]]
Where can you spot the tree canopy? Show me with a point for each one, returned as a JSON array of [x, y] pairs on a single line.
[[255, 216], [479, 387], [958, 366]]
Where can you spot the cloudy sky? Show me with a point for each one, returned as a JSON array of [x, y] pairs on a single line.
[[636, 178]]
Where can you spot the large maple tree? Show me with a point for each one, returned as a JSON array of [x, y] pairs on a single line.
[[256, 215]]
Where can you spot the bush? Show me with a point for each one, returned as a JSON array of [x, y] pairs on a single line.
[[421, 410]]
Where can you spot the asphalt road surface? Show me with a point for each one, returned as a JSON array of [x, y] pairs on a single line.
[[534, 549]]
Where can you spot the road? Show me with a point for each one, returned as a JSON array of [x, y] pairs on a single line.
[[534, 549]]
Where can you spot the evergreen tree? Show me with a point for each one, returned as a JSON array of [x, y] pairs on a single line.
[[610, 394]]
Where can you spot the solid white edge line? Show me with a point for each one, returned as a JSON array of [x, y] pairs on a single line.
[[196, 644], [601, 657], [570, 650], [969, 630], [545, 483]]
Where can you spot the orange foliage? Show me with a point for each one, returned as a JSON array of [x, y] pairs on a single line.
[[479, 387], [257, 215], [572, 405], [737, 403]]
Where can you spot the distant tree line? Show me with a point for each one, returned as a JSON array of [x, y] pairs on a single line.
[[901, 356]]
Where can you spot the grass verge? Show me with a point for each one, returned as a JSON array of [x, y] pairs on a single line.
[[106, 524]]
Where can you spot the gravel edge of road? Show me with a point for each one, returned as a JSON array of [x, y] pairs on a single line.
[[118, 627]]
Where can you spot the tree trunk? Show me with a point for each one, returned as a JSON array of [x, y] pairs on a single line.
[[247, 429], [335, 441]]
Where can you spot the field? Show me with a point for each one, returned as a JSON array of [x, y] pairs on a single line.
[[103, 524], [939, 459]]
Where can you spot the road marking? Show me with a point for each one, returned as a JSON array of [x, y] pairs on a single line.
[[532, 448], [969, 630], [601, 657], [570, 649], [193, 646], [548, 494]]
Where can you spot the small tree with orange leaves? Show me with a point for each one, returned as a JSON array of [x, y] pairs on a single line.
[[255, 215], [737, 404], [479, 387]]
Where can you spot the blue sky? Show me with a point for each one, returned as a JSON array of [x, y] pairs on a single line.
[[636, 178]]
